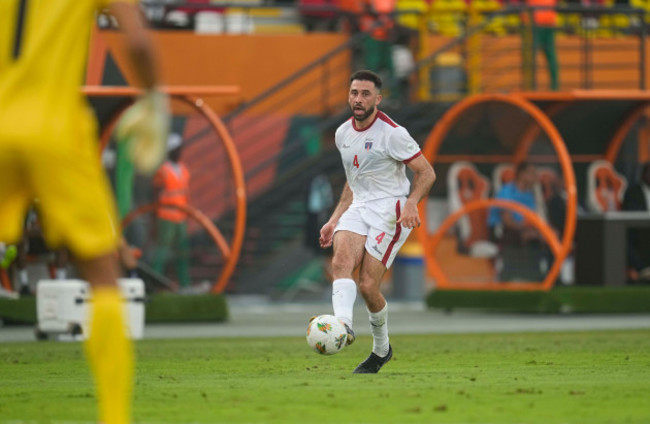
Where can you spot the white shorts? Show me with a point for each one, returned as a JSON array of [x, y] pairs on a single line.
[[377, 221]]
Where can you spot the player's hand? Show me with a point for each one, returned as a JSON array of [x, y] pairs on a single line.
[[410, 217], [326, 235], [144, 126]]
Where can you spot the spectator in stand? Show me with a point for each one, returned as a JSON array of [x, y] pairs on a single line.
[[544, 27], [172, 185], [319, 15], [637, 198]]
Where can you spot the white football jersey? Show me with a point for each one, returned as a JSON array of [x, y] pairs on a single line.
[[375, 158]]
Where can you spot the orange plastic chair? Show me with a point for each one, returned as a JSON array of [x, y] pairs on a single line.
[[465, 185], [605, 187]]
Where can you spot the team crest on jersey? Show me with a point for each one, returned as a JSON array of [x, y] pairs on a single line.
[[368, 145]]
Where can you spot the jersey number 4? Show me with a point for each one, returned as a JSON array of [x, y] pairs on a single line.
[[355, 161], [20, 27]]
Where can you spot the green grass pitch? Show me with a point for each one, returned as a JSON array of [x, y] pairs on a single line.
[[573, 377]]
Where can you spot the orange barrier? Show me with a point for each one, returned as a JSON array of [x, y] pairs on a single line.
[[198, 216], [431, 147], [190, 96]]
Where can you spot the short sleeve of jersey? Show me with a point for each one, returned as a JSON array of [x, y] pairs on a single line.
[[401, 146], [337, 134]]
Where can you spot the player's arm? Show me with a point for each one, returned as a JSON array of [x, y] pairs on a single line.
[[139, 44], [327, 232], [423, 179], [144, 126]]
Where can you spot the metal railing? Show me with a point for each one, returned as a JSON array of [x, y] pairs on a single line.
[[596, 47]]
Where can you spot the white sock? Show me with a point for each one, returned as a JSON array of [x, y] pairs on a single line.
[[344, 292], [23, 277], [379, 329]]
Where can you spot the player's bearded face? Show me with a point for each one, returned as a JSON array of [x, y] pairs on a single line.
[[361, 113], [363, 100]]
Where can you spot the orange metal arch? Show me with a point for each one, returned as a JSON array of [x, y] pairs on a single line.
[[547, 233], [189, 95], [240, 191], [435, 139], [621, 132], [197, 215], [533, 131]]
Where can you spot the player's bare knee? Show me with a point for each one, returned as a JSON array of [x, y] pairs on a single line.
[[342, 266], [368, 288]]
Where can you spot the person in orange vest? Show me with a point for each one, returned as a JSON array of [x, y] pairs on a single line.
[[172, 184], [545, 21]]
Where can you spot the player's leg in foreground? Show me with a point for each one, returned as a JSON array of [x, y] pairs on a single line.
[[370, 275], [348, 251], [109, 350], [78, 211]]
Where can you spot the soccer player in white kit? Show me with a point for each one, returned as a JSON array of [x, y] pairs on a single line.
[[376, 211]]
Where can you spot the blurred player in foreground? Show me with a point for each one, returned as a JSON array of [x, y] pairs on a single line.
[[375, 213], [49, 151]]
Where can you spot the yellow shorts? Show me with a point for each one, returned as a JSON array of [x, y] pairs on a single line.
[[71, 190]]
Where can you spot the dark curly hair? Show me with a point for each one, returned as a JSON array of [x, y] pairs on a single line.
[[365, 75]]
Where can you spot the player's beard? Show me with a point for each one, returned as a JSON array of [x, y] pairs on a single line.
[[365, 115]]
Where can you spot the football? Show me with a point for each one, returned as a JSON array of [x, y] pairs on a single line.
[[326, 334]]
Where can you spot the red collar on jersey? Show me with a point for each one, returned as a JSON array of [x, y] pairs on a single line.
[[381, 115]]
